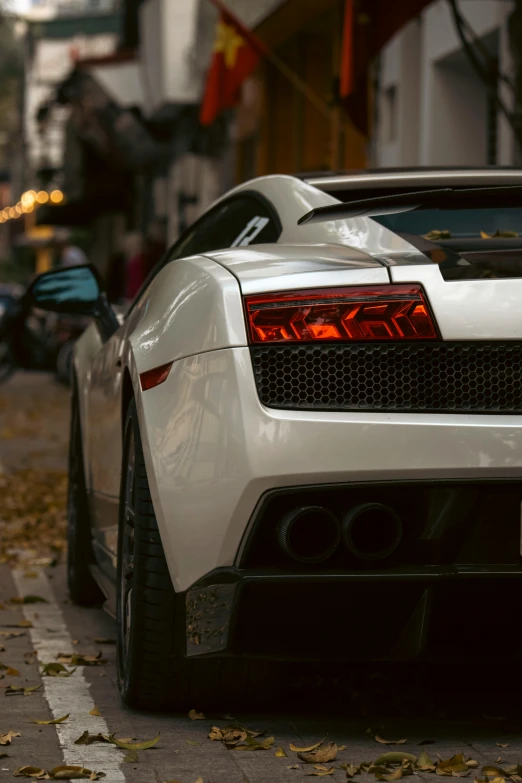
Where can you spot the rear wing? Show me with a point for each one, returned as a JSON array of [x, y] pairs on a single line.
[[448, 198]]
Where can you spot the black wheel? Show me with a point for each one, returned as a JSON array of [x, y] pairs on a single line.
[[82, 587], [7, 363], [64, 362], [152, 673]]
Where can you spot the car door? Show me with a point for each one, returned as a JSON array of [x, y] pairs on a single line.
[[238, 221]]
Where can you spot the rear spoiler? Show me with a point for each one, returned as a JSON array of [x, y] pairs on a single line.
[[448, 198]]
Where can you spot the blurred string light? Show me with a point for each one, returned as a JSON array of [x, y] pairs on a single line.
[[29, 201]]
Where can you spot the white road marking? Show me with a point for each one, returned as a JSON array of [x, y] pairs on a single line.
[[49, 636]]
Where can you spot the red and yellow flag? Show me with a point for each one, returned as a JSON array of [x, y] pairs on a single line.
[[236, 54]]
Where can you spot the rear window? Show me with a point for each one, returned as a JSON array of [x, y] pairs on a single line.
[[456, 223], [474, 243]]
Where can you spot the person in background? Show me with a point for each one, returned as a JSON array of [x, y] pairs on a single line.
[[72, 255]]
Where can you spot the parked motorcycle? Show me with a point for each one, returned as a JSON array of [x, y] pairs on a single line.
[[35, 339]]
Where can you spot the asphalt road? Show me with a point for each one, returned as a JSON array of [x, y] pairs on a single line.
[[468, 709]]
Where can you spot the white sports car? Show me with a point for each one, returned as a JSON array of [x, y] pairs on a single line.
[[306, 430]]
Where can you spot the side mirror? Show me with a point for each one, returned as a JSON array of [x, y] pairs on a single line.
[[75, 290]]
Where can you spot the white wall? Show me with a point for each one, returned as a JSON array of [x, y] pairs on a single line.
[[441, 103], [52, 61], [168, 33]]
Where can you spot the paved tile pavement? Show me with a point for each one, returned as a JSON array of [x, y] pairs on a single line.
[[461, 708]]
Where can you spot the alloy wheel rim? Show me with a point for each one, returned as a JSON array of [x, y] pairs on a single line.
[[127, 551]]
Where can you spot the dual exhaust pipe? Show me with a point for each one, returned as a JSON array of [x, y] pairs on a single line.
[[312, 534]]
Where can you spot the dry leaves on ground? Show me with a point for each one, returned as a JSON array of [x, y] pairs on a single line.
[[124, 742], [6, 739], [50, 722], [56, 670], [321, 755], [33, 515], [81, 659], [19, 690], [59, 773]]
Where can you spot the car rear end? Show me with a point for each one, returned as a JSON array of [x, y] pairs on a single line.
[[367, 457]]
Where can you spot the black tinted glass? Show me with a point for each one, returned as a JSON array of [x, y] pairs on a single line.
[[235, 223]]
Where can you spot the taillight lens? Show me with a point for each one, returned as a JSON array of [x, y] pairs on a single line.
[[390, 312]]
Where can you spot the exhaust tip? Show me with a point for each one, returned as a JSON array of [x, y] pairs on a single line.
[[372, 531], [310, 534]]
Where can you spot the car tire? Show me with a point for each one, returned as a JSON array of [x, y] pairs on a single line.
[[152, 673], [83, 589], [64, 362]]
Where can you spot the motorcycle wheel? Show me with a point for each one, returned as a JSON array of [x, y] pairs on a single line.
[[64, 362], [7, 363]]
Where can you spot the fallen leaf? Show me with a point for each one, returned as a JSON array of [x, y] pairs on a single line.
[[396, 774], [319, 755], [280, 753], [88, 739], [11, 634], [79, 659], [294, 766], [389, 742], [424, 762], [25, 624], [395, 757], [308, 748], [96, 712], [191, 742], [56, 670], [20, 690], [195, 715], [320, 771], [74, 773], [29, 599], [350, 769], [131, 756], [134, 746], [5, 739], [252, 744], [29, 772], [502, 744], [11, 672], [51, 722]]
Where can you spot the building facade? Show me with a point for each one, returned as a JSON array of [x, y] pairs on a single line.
[[432, 107]]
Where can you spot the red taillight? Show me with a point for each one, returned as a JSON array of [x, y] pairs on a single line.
[[152, 378], [389, 312]]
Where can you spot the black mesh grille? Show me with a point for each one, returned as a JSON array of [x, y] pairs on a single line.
[[468, 377]]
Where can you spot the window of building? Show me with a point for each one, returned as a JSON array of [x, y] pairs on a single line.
[[389, 114]]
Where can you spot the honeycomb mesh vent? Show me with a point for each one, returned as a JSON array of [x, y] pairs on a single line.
[[466, 377]]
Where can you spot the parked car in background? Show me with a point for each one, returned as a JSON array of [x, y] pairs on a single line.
[[303, 440]]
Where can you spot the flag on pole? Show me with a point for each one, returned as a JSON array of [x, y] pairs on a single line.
[[236, 54]]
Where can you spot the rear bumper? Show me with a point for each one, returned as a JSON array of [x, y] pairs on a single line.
[[213, 451], [439, 612]]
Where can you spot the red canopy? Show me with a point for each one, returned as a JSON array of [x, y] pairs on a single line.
[[368, 26]]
